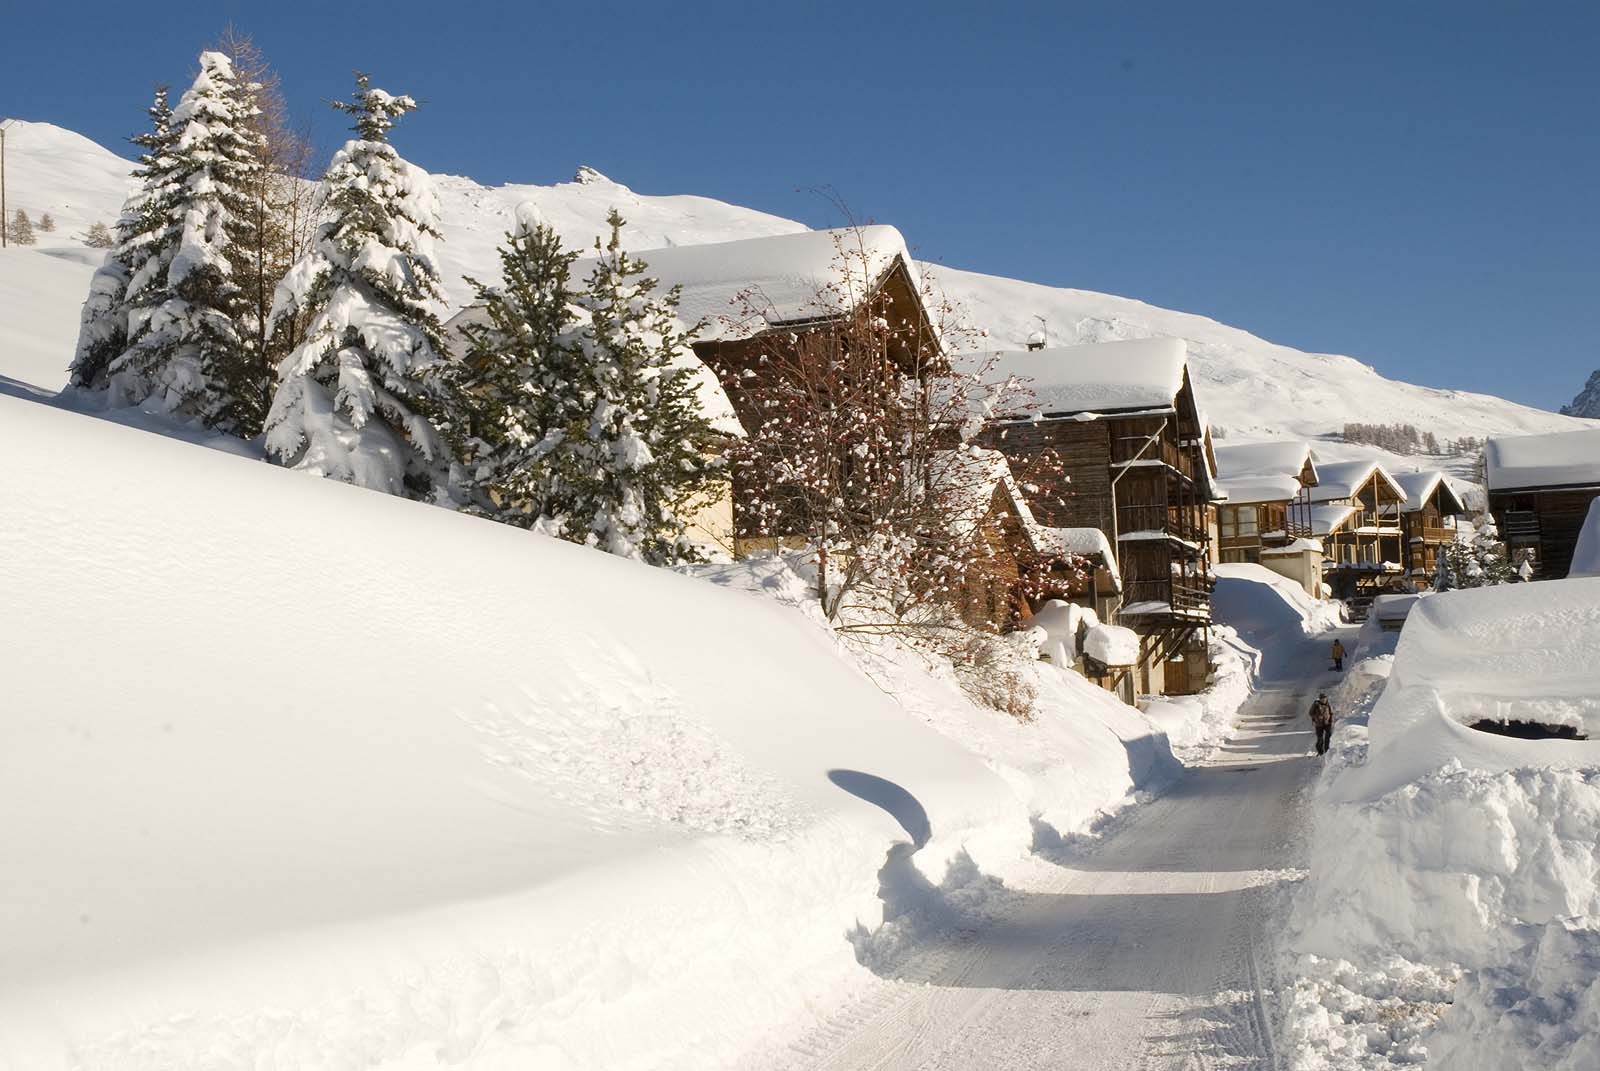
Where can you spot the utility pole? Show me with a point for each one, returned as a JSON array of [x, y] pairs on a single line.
[[5, 124]]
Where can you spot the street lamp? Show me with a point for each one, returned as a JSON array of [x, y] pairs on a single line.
[[5, 124]]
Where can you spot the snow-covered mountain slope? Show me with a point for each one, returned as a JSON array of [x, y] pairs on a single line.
[[1250, 387], [293, 768]]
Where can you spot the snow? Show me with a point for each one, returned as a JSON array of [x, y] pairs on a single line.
[[1058, 624], [1586, 555], [1554, 460], [40, 293], [1112, 645], [301, 809], [1112, 376], [1249, 489]]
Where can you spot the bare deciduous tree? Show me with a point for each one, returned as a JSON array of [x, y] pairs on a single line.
[[281, 200]]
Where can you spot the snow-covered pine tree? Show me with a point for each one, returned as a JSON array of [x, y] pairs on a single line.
[[103, 328], [184, 344], [1475, 560], [521, 393], [645, 453], [361, 398], [47, 223]]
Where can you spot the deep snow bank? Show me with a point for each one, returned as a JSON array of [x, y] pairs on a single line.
[[293, 773], [1443, 852]]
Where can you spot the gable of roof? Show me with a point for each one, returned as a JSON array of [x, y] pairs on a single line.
[[1560, 459], [1343, 479], [1420, 487]]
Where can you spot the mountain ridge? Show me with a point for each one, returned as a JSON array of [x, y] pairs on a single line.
[[1251, 388]]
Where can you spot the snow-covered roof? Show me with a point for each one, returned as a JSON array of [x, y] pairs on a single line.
[[1329, 517], [1136, 374], [1342, 479], [1555, 460], [739, 289], [714, 401], [1280, 458], [1248, 489], [977, 471], [1297, 546], [1419, 487], [1586, 555]]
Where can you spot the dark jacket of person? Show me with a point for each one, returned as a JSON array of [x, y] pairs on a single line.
[[1321, 712]]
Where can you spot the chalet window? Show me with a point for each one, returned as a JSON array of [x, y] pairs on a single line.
[[1236, 521]]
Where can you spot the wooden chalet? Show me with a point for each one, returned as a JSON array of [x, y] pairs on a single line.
[[1355, 511], [1427, 521], [1540, 489], [762, 303], [1266, 517], [1117, 443]]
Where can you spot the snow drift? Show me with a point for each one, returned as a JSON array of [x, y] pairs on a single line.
[[294, 773], [1451, 849]]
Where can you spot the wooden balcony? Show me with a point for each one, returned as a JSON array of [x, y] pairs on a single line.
[[1435, 535], [1174, 600]]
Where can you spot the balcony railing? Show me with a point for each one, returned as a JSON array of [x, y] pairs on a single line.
[[1186, 595]]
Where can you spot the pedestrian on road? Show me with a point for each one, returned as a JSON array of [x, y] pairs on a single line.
[[1322, 719], [1338, 655]]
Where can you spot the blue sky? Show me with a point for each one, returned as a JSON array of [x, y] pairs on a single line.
[[1412, 184]]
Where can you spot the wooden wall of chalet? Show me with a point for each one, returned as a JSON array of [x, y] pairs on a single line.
[[1081, 452], [1547, 522], [915, 346]]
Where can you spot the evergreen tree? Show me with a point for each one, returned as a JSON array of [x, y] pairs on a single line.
[[1476, 559], [185, 352], [646, 450], [517, 378], [362, 398], [21, 230], [103, 330], [581, 415], [47, 223], [98, 236]]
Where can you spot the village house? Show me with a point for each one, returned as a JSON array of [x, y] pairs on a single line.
[[1355, 512], [1115, 441], [1540, 488], [775, 302], [1266, 515], [1427, 521]]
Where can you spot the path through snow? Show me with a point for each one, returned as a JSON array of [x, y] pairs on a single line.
[[1150, 949]]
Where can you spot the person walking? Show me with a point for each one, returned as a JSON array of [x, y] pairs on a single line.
[[1322, 720], [1338, 655]]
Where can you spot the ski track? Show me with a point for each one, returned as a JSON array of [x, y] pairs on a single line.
[[1143, 952]]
